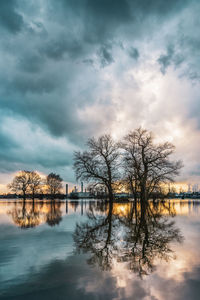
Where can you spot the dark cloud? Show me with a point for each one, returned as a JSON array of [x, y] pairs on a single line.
[[31, 63], [119, 11], [100, 19], [157, 7], [165, 60], [6, 143], [105, 56], [10, 18], [26, 146], [37, 84], [56, 49], [170, 58], [88, 61], [134, 53]]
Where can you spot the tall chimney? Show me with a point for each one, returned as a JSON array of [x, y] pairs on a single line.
[[66, 189]]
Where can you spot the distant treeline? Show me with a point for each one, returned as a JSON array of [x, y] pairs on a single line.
[[29, 184], [29, 196]]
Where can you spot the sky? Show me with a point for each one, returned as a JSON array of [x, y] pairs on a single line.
[[73, 69]]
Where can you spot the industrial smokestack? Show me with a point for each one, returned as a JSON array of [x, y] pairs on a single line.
[[66, 189]]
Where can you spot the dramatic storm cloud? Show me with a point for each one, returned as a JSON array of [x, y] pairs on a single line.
[[71, 69]]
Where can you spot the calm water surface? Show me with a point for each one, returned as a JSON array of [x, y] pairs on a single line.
[[86, 250]]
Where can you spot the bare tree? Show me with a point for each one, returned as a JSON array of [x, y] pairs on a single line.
[[147, 164], [54, 184], [34, 183], [99, 164], [20, 183]]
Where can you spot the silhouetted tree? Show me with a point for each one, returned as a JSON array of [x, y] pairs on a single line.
[[54, 184], [146, 164], [34, 183], [20, 183], [99, 164]]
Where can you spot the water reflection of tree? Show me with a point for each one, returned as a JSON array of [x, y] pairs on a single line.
[[25, 215], [30, 214], [148, 237], [96, 235], [138, 237], [54, 216]]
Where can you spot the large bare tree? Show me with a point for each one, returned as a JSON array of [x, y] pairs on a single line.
[[99, 164], [147, 165], [54, 184], [20, 183], [34, 183], [25, 183]]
